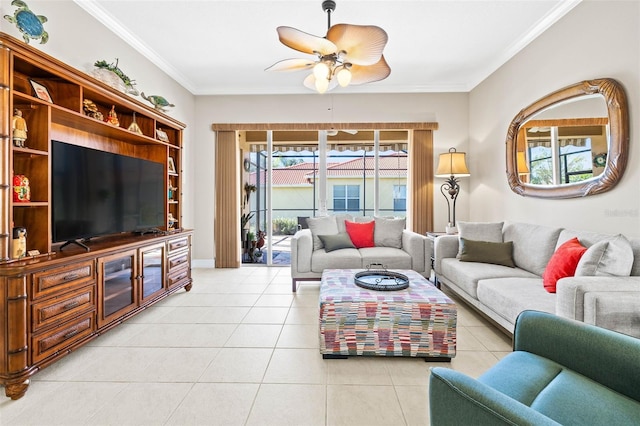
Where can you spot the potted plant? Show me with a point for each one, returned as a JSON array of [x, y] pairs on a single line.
[[244, 220], [248, 189]]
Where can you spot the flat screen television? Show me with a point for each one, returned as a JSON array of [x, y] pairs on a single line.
[[98, 193]]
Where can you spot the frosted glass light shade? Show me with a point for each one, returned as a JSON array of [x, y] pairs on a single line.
[[321, 71], [452, 163], [344, 77], [322, 84]]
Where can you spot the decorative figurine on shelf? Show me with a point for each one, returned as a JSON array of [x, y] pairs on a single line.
[[19, 128], [29, 24], [172, 191], [133, 127], [172, 221], [21, 191], [19, 243], [112, 118], [158, 102], [125, 80], [91, 110]]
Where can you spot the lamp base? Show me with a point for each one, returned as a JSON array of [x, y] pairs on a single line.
[[450, 229]]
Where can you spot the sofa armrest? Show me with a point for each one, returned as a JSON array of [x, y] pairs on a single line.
[[572, 291], [301, 251], [602, 355], [457, 399], [417, 247], [443, 247]]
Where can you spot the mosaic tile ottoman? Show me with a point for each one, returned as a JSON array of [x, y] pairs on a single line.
[[419, 321]]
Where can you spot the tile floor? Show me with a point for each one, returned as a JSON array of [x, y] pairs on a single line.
[[238, 349]]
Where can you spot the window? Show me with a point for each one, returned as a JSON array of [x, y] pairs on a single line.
[[573, 162], [399, 198], [346, 198]]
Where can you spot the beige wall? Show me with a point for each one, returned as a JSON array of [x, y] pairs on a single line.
[[572, 50]]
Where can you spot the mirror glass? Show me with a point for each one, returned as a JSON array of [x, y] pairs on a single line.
[[571, 143]]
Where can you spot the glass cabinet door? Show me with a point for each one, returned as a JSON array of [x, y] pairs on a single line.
[[117, 286], [152, 270]]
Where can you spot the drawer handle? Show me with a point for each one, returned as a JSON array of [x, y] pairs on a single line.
[[179, 244], [71, 305], [71, 334], [70, 277]]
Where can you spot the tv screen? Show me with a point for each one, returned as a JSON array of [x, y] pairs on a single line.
[[99, 193]]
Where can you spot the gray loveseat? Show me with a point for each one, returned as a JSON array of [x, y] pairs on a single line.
[[599, 296], [395, 248]]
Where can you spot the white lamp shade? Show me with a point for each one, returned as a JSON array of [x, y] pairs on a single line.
[[344, 77], [452, 163]]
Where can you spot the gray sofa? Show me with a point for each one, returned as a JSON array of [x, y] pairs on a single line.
[[501, 293], [395, 248]]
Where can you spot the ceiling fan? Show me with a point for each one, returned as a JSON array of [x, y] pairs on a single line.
[[348, 54], [334, 132]]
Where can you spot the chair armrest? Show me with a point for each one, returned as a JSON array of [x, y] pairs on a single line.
[[417, 247], [443, 247], [301, 251], [604, 356], [457, 399], [571, 292]]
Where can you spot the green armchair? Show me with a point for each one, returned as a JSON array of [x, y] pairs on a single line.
[[560, 372]]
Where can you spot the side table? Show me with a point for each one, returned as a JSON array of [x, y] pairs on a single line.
[[432, 238]]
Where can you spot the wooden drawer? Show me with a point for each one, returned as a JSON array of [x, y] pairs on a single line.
[[63, 278], [50, 342], [178, 276], [178, 244], [178, 261], [62, 308]]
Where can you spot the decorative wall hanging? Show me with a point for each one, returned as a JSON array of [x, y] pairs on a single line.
[[29, 24]]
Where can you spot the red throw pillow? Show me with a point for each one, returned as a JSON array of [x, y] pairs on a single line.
[[361, 233], [563, 263]]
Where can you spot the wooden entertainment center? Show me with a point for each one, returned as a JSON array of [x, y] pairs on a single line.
[[52, 301]]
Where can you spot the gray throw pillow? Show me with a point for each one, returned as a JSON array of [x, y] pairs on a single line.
[[388, 232], [610, 257], [322, 225], [340, 218], [486, 252], [481, 231], [336, 242]]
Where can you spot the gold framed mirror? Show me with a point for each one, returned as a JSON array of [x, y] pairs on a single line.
[[572, 143]]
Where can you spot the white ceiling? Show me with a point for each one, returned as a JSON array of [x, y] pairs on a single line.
[[222, 47]]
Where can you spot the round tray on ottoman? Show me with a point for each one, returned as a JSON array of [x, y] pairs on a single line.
[[381, 280]]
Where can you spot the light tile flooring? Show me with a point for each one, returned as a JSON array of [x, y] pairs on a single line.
[[238, 349]]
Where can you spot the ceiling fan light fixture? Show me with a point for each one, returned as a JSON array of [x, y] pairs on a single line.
[[344, 76], [322, 84], [348, 54], [321, 70]]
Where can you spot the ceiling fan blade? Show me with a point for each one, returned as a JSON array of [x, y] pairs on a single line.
[[367, 74], [305, 42], [292, 65], [363, 43], [310, 83]]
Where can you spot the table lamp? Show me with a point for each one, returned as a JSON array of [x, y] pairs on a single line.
[[451, 165]]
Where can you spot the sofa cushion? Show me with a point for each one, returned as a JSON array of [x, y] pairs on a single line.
[[486, 252], [610, 257], [391, 258], [321, 225], [533, 245], [361, 234], [388, 232], [337, 259], [467, 274], [570, 390], [563, 263], [340, 218], [338, 241], [509, 296], [521, 375], [481, 231]]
